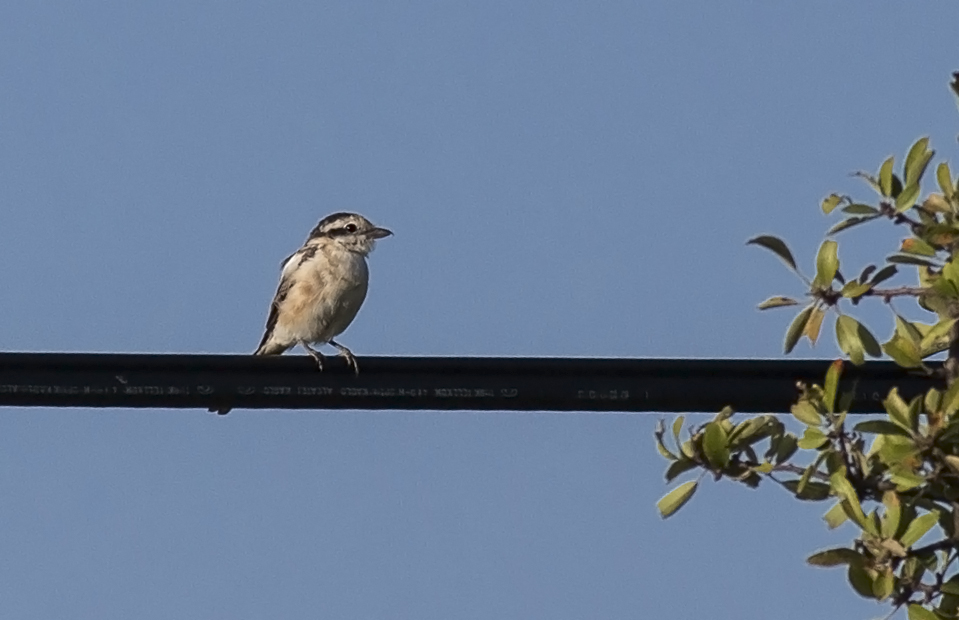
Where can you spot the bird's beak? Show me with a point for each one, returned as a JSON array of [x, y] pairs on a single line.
[[379, 233]]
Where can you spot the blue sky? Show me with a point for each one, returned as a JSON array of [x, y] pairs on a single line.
[[563, 178]]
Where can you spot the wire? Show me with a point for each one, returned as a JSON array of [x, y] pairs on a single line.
[[223, 382]]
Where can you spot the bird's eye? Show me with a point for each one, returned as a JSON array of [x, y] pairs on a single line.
[[351, 228]]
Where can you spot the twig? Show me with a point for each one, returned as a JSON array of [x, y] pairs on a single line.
[[941, 545], [886, 209], [902, 291], [952, 361], [789, 468]]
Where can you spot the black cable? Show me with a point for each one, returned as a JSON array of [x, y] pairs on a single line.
[[433, 383]]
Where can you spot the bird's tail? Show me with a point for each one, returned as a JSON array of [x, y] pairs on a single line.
[[267, 347], [270, 347]]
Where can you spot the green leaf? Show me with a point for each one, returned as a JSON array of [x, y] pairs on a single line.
[[881, 427], [855, 289], [796, 329], [896, 186], [885, 177], [835, 516], [911, 259], [748, 432], [786, 448], [678, 426], [944, 176], [917, 246], [908, 330], [950, 271], [932, 400], [918, 148], [832, 385], [677, 468], [715, 445], [830, 202], [849, 223], [778, 302], [883, 584], [903, 352], [903, 348], [834, 557], [950, 400], [912, 569], [844, 490], [906, 480], [846, 398], [834, 462], [812, 492], [806, 413], [814, 324], [827, 262], [776, 246], [869, 180], [915, 410], [935, 203], [676, 499], [916, 161], [807, 473], [907, 198], [898, 410], [951, 586], [918, 612], [664, 450], [884, 274], [939, 330], [894, 547], [948, 606], [892, 514], [855, 340], [918, 528], [860, 209], [812, 439], [764, 468], [725, 413], [860, 580]]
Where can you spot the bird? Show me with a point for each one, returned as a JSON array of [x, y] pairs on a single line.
[[322, 286]]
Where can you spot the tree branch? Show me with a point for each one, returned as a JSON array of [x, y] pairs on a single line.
[[887, 209], [952, 361], [902, 291], [946, 543]]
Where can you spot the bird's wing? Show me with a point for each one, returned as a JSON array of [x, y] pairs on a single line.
[[287, 271]]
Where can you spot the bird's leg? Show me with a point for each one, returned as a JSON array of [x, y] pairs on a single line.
[[350, 358], [316, 355]]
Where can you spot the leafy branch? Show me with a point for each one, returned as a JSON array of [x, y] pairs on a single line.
[[894, 478]]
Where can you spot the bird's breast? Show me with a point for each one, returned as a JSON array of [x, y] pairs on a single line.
[[327, 294]]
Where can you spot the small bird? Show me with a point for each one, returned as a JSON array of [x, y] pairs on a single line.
[[322, 286]]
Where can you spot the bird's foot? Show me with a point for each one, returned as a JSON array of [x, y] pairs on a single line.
[[316, 355], [348, 355]]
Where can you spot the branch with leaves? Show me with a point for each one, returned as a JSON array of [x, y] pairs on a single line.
[[931, 248], [895, 478], [895, 491]]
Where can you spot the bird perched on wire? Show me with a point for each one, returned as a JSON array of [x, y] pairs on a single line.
[[322, 286]]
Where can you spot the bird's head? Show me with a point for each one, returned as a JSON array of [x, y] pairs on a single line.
[[351, 230]]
